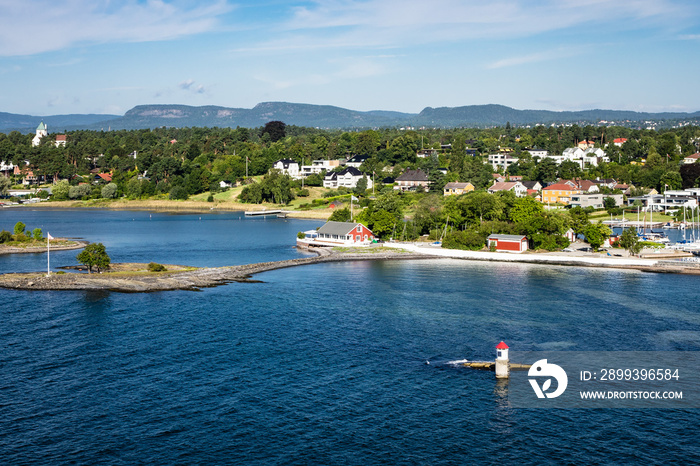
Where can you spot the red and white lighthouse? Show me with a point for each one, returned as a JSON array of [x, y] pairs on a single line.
[[502, 369]]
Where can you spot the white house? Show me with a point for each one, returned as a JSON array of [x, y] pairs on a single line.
[[501, 160], [517, 187], [538, 153], [41, 131], [288, 167], [692, 158], [347, 178], [319, 166]]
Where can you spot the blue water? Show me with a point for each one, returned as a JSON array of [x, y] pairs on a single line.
[[321, 364]]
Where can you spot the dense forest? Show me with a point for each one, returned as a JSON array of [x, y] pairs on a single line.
[[177, 163]]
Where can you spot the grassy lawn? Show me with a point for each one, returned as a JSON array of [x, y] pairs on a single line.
[[657, 217]]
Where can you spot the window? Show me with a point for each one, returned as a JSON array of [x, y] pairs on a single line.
[[359, 228]]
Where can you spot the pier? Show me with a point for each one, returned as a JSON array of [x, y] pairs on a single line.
[[262, 213]]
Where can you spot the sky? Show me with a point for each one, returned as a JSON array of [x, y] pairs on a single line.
[[107, 56]]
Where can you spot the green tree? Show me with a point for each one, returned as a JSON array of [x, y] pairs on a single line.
[[19, 228], [109, 191], [5, 185], [275, 130], [579, 220], [94, 255], [79, 192], [629, 240], [340, 215], [596, 233], [525, 208], [361, 186], [36, 234], [61, 190]]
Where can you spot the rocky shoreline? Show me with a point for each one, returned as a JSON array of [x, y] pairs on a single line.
[[188, 280], [77, 244]]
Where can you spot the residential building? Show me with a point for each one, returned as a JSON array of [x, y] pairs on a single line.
[[558, 193], [412, 180], [619, 141], [337, 234], [585, 186], [538, 153], [596, 200], [288, 167], [60, 140], [347, 178], [692, 158], [6, 169], [669, 202], [456, 189], [356, 161], [425, 153], [516, 186], [532, 185], [501, 160], [319, 166]]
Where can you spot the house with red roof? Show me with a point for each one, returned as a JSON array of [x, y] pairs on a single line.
[[559, 193], [692, 158], [619, 141]]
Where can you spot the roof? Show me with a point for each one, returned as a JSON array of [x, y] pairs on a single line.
[[620, 140], [358, 158], [286, 162], [105, 176], [694, 156], [504, 185], [530, 184], [338, 228], [502, 345], [60, 137], [41, 127], [351, 170], [508, 237], [559, 187], [413, 175], [456, 185]]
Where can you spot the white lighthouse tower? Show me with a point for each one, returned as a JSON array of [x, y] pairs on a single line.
[[502, 369]]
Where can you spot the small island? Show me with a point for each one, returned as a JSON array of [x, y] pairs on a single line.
[[33, 241], [137, 277]]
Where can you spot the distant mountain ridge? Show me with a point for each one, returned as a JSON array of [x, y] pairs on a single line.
[[326, 117]]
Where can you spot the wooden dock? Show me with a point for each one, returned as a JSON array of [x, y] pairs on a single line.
[[262, 213]]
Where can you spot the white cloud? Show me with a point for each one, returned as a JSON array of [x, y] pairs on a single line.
[[28, 28], [399, 23]]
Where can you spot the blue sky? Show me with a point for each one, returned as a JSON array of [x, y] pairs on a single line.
[[106, 56]]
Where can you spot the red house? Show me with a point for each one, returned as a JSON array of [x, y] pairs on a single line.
[[345, 233], [508, 243]]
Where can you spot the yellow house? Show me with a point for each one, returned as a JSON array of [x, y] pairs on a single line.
[[559, 193], [455, 189]]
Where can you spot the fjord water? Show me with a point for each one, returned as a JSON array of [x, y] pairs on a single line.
[[321, 364]]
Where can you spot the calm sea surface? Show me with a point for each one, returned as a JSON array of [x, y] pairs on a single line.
[[321, 364]]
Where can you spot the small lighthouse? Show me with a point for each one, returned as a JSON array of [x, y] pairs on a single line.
[[502, 369]]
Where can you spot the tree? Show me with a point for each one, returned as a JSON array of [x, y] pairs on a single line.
[[340, 215], [276, 130], [579, 220], [5, 185], [36, 234], [524, 208], [596, 233], [19, 228], [94, 255], [61, 190], [361, 186], [609, 203], [109, 191], [630, 241], [80, 191]]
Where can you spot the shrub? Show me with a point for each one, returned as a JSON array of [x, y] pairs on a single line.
[[5, 236], [80, 191], [155, 267], [178, 193], [109, 191], [19, 228], [210, 198], [36, 234], [21, 238], [43, 194], [303, 192], [301, 235], [60, 190]]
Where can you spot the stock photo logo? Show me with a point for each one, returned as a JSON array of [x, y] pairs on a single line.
[[542, 369]]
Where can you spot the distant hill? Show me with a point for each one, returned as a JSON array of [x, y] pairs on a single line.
[[56, 123], [328, 117]]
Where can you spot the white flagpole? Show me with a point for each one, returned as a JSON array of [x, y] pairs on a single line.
[[48, 255]]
